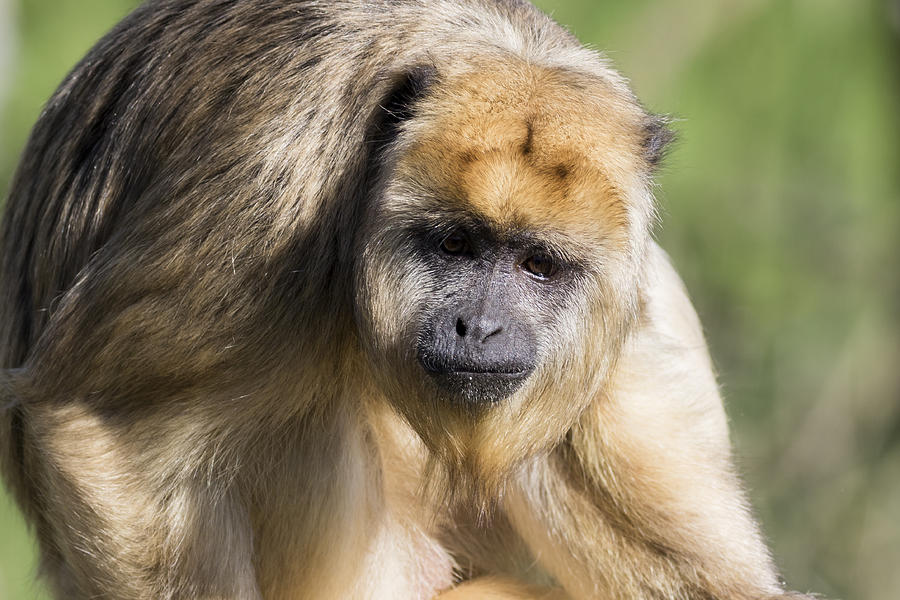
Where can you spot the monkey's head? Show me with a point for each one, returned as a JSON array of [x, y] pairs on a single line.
[[502, 265]]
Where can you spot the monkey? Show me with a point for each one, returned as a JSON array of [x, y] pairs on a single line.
[[358, 300]]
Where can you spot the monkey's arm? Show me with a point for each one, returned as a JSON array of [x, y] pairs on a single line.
[[126, 520], [641, 500]]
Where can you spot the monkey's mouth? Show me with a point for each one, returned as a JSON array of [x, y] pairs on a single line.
[[436, 369], [476, 384]]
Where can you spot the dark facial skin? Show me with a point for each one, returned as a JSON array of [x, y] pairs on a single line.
[[480, 342]]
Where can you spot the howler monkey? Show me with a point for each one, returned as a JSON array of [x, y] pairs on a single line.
[[357, 299]]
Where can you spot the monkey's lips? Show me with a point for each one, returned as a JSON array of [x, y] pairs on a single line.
[[477, 384]]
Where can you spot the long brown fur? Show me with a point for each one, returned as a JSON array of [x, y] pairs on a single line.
[[208, 308]]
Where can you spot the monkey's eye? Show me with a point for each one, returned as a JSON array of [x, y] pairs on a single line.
[[539, 266], [456, 244]]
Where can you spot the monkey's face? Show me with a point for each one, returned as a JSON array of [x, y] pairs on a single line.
[[501, 266], [478, 340]]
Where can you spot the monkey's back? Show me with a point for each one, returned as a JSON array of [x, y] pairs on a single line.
[[187, 94], [196, 149]]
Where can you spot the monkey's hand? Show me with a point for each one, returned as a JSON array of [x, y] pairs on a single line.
[[641, 499]]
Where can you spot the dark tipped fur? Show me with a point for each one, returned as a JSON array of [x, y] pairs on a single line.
[[657, 139]]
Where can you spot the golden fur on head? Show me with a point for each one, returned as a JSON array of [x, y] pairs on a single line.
[[212, 290]]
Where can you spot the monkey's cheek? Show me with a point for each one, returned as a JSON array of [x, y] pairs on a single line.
[[478, 389]]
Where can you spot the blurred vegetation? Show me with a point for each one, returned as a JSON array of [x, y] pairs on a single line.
[[781, 209]]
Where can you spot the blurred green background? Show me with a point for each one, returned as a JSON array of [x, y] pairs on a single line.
[[781, 209]]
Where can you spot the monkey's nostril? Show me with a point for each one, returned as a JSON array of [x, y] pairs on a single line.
[[460, 328], [491, 332]]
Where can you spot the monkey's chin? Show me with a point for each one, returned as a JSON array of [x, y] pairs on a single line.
[[475, 388]]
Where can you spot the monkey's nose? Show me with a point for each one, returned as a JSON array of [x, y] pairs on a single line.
[[477, 353], [479, 329], [480, 343]]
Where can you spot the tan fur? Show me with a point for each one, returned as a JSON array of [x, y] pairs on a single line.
[[209, 301], [653, 455], [490, 588], [517, 163]]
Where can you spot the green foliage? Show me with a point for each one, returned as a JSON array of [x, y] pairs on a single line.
[[781, 206]]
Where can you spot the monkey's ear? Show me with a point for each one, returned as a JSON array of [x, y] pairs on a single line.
[[407, 88], [656, 139]]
